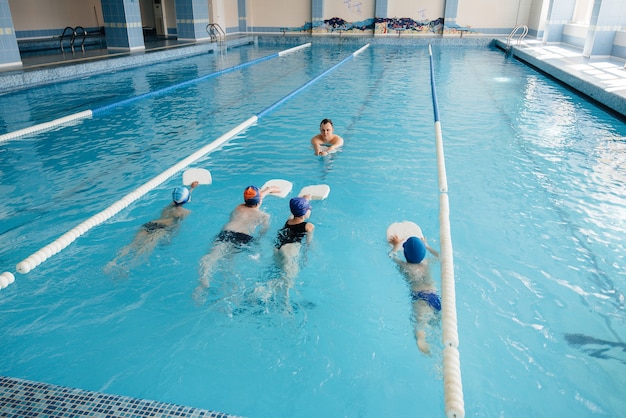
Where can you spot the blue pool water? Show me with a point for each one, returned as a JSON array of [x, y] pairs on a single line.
[[538, 217]]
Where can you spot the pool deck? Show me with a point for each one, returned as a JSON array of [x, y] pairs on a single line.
[[51, 68], [603, 80]]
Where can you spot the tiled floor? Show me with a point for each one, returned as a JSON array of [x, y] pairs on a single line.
[[22, 398]]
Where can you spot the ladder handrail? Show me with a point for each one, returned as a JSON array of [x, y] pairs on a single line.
[[82, 43], [74, 32], [213, 28], [513, 32], [63, 35]]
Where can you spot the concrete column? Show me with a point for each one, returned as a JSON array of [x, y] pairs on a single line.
[[9, 51], [607, 17], [192, 18], [380, 12], [317, 15], [450, 13], [241, 7], [122, 25], [560, 12]]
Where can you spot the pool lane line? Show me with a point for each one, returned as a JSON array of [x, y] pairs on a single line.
[[452, 383], [304, 86], [70, 236], [41, 255], [46, 126]]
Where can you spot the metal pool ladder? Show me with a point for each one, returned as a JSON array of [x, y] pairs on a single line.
[[509, 38], [74, 32], [216, 33]]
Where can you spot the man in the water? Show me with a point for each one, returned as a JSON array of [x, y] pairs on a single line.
[[326, 142]]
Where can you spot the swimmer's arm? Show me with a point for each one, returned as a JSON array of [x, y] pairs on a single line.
[[191, 187], [399, 262], [429, 248], [265, 224], [316, 141], [270, 190], [309, 232], [337, 142], [432, 250]]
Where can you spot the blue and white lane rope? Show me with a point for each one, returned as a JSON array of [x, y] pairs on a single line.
[[453, 385], [86, 114], [33, 260]]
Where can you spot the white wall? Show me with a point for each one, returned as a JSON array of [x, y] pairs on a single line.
[[620, 38], [537, 15], [292, 14], [231, 10], [170, 12], [424, 10], [492, 13], [147, 13], [55, 14], [349, 10]]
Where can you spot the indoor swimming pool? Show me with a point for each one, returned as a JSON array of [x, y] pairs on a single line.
[[537, 210]]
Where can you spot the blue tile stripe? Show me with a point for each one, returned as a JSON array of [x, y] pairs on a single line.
[[21, 398]]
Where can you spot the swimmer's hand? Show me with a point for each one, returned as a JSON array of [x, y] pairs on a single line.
[[321, 152], [395, 242], [271, 190]]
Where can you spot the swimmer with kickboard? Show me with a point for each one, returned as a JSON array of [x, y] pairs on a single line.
[[289, 242], [408, 237], [151, 233]]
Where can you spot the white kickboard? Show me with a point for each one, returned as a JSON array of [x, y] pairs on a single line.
[[404, 230], [317, 191], [201, 175], [284, 186]]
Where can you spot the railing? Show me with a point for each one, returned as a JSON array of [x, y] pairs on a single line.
[[216, 33], [509, 38], [75, 32]]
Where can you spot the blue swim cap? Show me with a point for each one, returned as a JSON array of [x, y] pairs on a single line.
[[251, 196], [299, 206], [414, 250], [180, 195]]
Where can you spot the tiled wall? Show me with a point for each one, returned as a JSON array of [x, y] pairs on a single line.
[[192, 19], [122, 22], [9, 52]]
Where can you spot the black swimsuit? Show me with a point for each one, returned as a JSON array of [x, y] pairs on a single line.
[[290, 234], [153, 226], [237, 238]]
